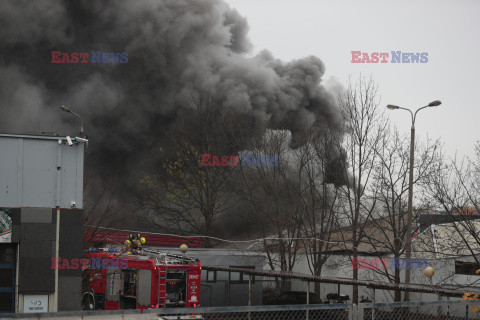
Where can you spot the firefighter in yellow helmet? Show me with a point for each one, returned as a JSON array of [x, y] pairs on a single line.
[[135, 241], [128, 247]]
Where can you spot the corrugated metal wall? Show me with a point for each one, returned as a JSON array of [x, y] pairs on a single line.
[[39, 171]]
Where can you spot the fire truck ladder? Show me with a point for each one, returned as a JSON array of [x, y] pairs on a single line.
[[162, 287], [167, 258], [164, 259]]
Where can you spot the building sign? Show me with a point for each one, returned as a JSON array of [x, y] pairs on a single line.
[[5, 226], [35, 303]]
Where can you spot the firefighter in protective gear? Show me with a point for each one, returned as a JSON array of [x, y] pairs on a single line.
[[128, 247], [136, 241]]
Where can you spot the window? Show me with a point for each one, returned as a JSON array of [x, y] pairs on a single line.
[[6, 277], [464, 267], [239, 277], [176, 276], [235, 276], [211, 276], [7, 254]]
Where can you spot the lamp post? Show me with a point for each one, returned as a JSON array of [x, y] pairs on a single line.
[[408, 244], [66, 109]]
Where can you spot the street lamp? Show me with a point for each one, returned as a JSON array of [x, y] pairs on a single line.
[[408, 244], [66, 109]]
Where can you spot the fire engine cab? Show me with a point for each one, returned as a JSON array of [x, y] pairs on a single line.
[[139, 279]]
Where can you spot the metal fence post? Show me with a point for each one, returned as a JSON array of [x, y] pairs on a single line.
[[448, 307], [308, 299], [249, 293], [350, 312], [355, 312], [373, 309], [439, 308]]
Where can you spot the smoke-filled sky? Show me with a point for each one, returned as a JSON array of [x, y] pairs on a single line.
[[269, 59], [175, 50], [447, 30]]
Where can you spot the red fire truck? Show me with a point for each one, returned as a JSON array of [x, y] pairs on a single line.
[[139, 279]]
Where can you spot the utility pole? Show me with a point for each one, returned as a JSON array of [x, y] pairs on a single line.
[[408, 243]]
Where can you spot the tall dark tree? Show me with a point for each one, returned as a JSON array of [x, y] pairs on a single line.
[[271, 194], [183, 195]]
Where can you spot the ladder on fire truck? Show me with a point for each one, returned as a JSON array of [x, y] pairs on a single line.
[[162, 288], [164, 258]]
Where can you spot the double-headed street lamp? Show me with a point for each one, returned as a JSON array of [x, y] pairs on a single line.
[[66, 109], [408, 244]]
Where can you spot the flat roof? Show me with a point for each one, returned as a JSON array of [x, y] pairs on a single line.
[[49, 136]]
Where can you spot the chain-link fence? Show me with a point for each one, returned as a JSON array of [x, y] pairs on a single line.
[[290, 312], [435, 310], [296, 312]]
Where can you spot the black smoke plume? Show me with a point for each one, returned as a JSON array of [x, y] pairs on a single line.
[[175, 50]]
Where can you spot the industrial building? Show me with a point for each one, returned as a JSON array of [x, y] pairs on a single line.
[[41, 202]]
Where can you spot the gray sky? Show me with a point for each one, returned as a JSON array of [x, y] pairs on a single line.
[[447, 30]]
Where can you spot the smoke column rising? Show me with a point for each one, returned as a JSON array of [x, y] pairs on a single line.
[[175, 49]]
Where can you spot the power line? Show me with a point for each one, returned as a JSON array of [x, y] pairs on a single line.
[[225, 240]]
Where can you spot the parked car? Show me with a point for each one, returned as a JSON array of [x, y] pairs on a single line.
[[337, 298], [296, 297]]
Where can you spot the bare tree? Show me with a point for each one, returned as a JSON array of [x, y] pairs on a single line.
[[271, 194], [389, 222], [182, 195], [365, 127], [101, 209], [454, 191], [451, 195], [318, 199], [292, 204]]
